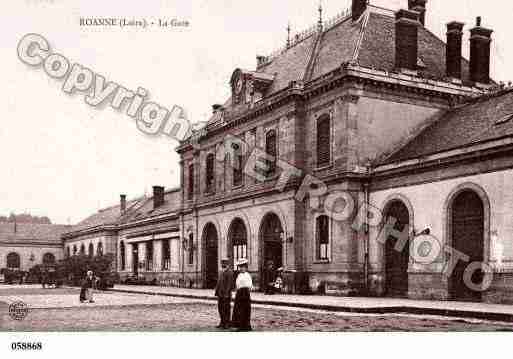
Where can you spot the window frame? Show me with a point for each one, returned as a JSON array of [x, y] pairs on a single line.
[[18, 260], [190, 259], [272, 164], [190, 189], [210, 177], [238, 166], [148, 260], [318, 255], [122, 256], [166, 255]]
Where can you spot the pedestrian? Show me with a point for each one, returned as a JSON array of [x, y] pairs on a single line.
[[278, 282], [242, 307], [223, 292], [86, 292], [269, 278]]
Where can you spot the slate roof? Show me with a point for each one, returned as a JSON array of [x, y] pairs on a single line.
[[144, 209], [32, 232], [107, 216], [487, 118], [369, 42]]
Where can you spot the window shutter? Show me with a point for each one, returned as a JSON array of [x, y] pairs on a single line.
[[323, 141], [191, 181], [270, 149]]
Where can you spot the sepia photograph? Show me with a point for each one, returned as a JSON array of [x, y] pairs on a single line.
[[193, 169]]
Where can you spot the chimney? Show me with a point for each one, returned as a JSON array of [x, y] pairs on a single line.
[[358, 8], [122, 203], [158, 196], [420, 7], [406, 39], [480, 40], [453, 49]]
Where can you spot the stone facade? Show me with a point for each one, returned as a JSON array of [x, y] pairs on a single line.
[[381, 107]]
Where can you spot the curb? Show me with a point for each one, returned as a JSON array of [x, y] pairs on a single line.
[[494, 316]]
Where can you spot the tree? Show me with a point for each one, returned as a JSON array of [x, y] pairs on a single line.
[[25, 218]]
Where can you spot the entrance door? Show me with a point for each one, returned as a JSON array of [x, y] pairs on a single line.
[[211, 256], [135, 259], [271, 233], [397, 259], [468, 238]]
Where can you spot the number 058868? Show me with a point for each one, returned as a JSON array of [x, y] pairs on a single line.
[[26, 346]]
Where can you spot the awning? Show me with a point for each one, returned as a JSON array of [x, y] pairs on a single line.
[[152, 237]]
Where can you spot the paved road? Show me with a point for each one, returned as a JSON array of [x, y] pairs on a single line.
[[60, 310]]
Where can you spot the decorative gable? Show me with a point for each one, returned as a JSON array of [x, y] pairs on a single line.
[[248, 86]]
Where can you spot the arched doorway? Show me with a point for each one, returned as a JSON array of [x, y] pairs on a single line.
[[210, 241], [13, 260], [237, 241], [467, 234], [48, 259], [271, 240], [397, 249]]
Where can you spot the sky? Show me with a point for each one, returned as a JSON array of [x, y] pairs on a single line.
[[64, 159]]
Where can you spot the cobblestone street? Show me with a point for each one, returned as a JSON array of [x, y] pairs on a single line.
[[59, 310]]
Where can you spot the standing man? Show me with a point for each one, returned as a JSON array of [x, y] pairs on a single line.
[[86, 293], [224, 288]]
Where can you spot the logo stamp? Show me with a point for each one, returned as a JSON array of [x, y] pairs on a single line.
[[18, 310]]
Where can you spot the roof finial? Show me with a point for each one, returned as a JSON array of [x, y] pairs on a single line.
[[319, 24], [288, 35]]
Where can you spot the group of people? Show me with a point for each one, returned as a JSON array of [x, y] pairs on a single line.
[[242, 282]]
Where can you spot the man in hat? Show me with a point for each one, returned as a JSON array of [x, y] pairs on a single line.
[[86, 293], [224, 288]]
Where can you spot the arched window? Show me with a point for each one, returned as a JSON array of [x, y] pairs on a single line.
[[91, 250], [323, 141], [122, 263], [74, 249], [82, 249], [99, 249], [239, 240], [322, 238], [271, 150], [210, 176], [13, 260], [68, 252], [48, 258]]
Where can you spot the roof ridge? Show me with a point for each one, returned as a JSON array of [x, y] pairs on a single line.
[[358, 43], [302, 36], [313, 54]]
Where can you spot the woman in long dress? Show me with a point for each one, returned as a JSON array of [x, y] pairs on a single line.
[[242, 309], [86, 292]]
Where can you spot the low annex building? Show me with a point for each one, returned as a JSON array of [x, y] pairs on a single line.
[[370, 104], [24, 245]]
